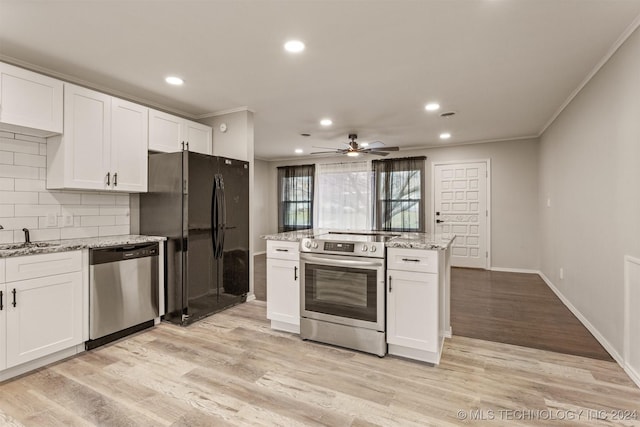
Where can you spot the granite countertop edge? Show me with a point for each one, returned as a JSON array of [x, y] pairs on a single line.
[[404, 240], [77, 244]]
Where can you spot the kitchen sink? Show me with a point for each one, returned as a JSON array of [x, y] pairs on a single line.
[[14, 246]]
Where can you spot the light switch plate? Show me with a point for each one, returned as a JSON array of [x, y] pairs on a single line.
[[68, 220], [52, 219]]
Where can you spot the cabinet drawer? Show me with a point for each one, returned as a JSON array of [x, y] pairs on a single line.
[[412, 260], [32, 266], [283, 250]]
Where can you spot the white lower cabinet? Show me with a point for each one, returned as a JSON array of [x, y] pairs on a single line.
[[47, 317], [283, 285], [43, 310], [413, 305]]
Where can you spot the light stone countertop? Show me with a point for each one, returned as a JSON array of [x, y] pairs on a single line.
[[404, 240], [50, 246]]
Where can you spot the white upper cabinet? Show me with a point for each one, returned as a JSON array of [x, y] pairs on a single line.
[[104, 146], [129, 136], [169, 133], [198, 137], [30, 103]]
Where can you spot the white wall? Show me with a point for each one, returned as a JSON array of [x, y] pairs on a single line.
[[25, 202], [262, 202], [590, 170], [514, 195]]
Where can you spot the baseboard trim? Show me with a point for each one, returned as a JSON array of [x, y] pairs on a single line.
[[598, 336], [514, 270], [259, 253], [251, 296]]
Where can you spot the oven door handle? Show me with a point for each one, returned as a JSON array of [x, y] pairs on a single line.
[[341, 262]]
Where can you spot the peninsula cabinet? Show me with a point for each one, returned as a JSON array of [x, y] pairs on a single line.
[[283, 285], [30, 103], [414, 310], [169, 134], [42, 307], [104, 145]]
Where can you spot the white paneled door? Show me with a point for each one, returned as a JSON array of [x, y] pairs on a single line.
[[460, 208]]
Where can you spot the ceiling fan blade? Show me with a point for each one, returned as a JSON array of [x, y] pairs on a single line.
[[377, 153], [384, 148]]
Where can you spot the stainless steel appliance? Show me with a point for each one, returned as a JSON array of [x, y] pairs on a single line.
[[201, 204], [342, 296], [123, 291]]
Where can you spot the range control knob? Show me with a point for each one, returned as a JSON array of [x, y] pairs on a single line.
[[364, 248], [307, 244], [373, 248], [315, 245]]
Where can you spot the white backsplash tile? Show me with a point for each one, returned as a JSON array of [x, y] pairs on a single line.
[[25, 201]]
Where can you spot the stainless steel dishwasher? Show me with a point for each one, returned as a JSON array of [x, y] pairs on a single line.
[[123, 291]]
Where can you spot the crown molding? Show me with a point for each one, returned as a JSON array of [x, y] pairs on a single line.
[[612, 50], [223, 112]]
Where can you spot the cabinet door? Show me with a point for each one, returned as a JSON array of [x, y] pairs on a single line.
[[31, 101], [3, 326], [283, 291], [412, 310], [87, 138], [129, 136], [165, 132], [47, 317], [199, 137]]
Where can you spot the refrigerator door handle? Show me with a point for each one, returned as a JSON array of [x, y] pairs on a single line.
[[223, 203], [219, 219], [214, 216]]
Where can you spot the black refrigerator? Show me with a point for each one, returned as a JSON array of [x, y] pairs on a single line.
[[201, 204]]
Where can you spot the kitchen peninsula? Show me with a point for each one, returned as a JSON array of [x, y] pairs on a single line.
[[377, 292]]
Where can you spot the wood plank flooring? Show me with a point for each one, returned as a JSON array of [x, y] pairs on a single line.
[[231, 369], [516, 308]]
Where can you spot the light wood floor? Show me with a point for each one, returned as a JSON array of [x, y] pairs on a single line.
[[232, 369]]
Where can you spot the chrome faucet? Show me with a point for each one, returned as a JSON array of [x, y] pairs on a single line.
[[27, 239]]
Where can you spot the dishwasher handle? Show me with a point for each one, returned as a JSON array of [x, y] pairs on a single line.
[[122, 253]]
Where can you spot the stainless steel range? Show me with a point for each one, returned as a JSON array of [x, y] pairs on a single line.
[[342, 295]]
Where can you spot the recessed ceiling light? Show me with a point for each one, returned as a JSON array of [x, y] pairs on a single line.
[[432, 106], [294, 46], [173, 80], [353, 154], [445, 135], [326, 122], [364, 144], [299, 151]]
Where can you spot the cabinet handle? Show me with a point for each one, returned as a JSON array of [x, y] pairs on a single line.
[[390, 287], [282, 250], [115, 179], [1, 295], [410, 260], [187, 145], [108, 179], [295, 273], [14, 296]]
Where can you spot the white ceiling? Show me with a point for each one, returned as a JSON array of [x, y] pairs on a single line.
[[505, 66]]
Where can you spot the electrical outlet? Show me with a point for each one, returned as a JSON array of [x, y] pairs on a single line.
[[561, 273], [68, 220], [52, 219]]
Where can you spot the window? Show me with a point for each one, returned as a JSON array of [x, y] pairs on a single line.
[[399, 193], [344, 196], [295, 197]]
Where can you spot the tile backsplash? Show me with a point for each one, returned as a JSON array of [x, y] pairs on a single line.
[[50, 214]]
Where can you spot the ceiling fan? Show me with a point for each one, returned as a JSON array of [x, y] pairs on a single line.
[[353, 149]]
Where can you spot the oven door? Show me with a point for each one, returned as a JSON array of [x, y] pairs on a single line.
[[343, 289]]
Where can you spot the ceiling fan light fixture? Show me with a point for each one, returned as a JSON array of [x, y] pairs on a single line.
[[294, 46], [432, 106], [326, 122], [353, 154]]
